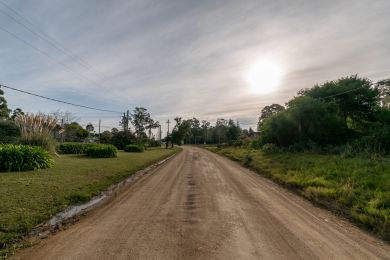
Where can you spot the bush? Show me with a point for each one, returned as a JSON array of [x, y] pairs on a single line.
[[101, 151], [122, 138], [74, 148], [23, 158], [154, 143], [9, 132], [270, 148], [131, 148]]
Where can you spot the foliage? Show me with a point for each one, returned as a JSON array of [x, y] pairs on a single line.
[[132, 148], [356, 187], [73, 132], [356, 98], [89, 127], [105, 137], [73, 148], [270, 148], [23, 158], [37, 129], [267, 112], [154, 143], [9, 132], [122, 138], [4, 111], [32, 199], [336, 112], [140, 118], [16, 112], [101, 151]]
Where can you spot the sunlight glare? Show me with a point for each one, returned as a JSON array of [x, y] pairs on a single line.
[[264, 77]]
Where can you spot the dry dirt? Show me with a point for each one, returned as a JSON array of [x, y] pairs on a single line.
[[200, 205]]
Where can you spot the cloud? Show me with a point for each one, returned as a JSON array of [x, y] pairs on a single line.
[[188, 57]]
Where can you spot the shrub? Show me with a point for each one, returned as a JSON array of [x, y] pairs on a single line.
[[270, 148], [74, 148], [122, 138], [101, 151], [23, 158], [9, 132], [154, 143], [131, 148]]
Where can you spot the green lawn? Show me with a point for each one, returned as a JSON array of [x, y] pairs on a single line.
[[30, 198], [358, 188]]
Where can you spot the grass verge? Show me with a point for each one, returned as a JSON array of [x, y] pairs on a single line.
[[356, 188], [31, 198]]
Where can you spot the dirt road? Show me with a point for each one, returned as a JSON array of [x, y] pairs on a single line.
[[202, 206]]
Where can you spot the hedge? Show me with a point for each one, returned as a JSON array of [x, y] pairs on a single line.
[[131, 148], [23, 158], [101, 151], [74, 148]]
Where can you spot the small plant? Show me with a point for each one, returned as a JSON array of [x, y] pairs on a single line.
[[132, 148], [36, 129], [23, 158], [101, 151], [248, 159]]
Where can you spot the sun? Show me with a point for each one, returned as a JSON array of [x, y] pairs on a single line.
[[264, 77]]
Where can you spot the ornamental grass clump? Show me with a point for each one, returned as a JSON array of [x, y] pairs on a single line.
[[23, 158], [37, 130]]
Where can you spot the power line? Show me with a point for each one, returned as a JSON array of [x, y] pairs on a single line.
[[60, 101], [42, 35], [47, 55]]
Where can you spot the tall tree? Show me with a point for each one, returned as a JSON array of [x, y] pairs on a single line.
[[356, 97], [140, 118], [4, 111], [267, 112], [205, 129]]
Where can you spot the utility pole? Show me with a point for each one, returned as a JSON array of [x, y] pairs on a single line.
[[167, 138], [160, 133], [100, 121], [127, 121]]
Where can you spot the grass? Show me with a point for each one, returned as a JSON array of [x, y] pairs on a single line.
[[30, 198], [357, 188]]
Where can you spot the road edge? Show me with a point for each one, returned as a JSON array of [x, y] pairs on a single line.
[[74, 213]]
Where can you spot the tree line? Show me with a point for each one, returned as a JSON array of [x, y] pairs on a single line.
[[351, 110]]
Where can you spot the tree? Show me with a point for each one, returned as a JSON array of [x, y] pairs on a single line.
[[268, 111], [73, 132], [140, 119], [233, 131], [150, 126], [384, 88], [205, 129], [122, 138], [9, 131], [16, 112], [105, 137], [4, 111], [356, 97], [89, 127]]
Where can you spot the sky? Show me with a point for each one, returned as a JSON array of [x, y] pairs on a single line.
[[183, 57]]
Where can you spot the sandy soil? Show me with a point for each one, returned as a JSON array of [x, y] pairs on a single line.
[[200, 205]]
